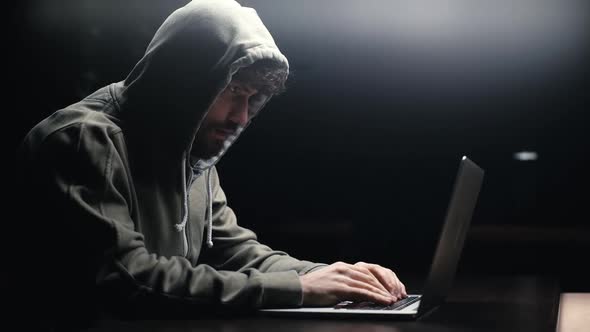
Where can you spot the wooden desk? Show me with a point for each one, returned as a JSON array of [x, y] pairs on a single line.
[[487, 303]]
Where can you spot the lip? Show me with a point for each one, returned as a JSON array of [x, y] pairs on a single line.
[[223, 133]]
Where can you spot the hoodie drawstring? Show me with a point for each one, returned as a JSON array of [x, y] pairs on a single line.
[[209, 211], [180, 227]]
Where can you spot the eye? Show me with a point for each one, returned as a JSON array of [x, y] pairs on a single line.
[[233, 88], [254, 103]]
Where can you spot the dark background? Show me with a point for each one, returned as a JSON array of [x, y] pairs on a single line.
[[357, 159]]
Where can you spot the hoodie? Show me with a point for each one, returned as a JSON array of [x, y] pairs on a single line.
[[126, 218]]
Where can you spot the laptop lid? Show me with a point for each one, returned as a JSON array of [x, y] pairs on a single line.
[[452, 236]]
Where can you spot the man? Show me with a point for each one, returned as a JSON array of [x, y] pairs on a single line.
[[132, 219]]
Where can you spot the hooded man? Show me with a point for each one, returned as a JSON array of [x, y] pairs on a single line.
[[132, 218]]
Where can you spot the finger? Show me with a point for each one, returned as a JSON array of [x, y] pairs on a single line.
[[381, 275], [404, 292], [359, 291], [389, 279], [370, 284], [400, 286], [365, 275], [397, 282], [356, 279]]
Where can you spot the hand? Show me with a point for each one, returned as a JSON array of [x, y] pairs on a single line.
[[359, 282], [387, 278]]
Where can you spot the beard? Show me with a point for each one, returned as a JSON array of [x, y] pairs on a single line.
[[210, 140]]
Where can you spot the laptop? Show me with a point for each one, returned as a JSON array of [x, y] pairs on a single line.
[[442, 271]]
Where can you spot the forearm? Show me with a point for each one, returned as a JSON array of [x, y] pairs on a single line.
[[173, 279]]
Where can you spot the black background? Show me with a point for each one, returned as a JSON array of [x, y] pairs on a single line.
[[356, 160]]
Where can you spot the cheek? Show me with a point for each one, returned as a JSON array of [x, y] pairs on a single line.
[[218, 111], [207, 123]]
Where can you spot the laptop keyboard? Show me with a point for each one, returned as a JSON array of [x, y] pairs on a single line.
[[374, 306]]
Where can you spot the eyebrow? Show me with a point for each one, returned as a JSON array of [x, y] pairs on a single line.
[[248, 88]]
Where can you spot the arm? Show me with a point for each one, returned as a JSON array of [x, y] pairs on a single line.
[[236, 248], [90, 242]]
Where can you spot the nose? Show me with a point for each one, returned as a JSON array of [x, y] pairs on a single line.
[[239, 114]]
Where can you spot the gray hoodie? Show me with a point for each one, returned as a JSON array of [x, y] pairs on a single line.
[[125, 213]]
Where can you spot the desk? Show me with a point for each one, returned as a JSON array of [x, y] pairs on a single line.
[[498, 303], [574, 312]]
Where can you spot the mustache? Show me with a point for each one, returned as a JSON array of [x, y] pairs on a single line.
[[228, 127]]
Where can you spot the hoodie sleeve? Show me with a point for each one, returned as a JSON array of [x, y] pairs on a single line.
[[91, 192], [237, 248]]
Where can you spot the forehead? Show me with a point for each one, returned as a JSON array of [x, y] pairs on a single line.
[[248, 87]]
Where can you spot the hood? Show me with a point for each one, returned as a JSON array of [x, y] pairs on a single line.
[[189, 61]]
